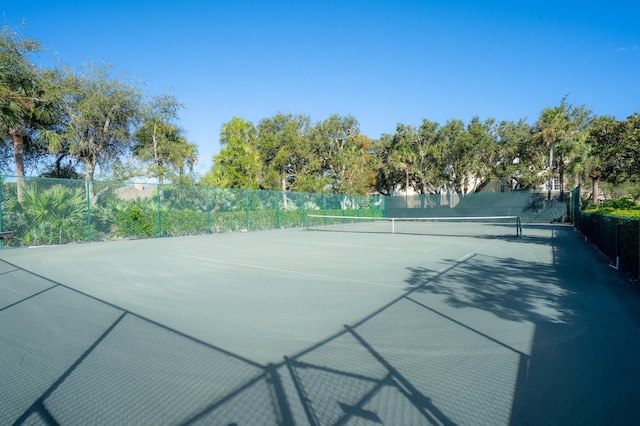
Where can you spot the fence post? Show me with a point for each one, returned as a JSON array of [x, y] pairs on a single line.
[[383, 205], [278, 216], [247, 210], [1, 200], [159, 215], [206, 205], [324, 207], [87, 187]]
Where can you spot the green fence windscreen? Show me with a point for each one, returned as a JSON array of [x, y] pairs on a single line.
[[530, 206], [42, 211]]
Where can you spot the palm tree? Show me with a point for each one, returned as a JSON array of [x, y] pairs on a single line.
[[551, 127], [24, 104], [404, 156], [561, 124], [12, 105], [166, 151]]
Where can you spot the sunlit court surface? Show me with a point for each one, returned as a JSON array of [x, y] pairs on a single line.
[[305, 327]]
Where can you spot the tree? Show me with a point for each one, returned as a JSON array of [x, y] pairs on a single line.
[[387, 177], [101, 115], [289, 162], [560, 125], [516, 162], [551, 127], [403, 155], [17, 87], [457, 151], [344, 155], [482, 136], [615, 150], [160, 144], [25, 106], [239, 163], [412, 158], [429, 168]]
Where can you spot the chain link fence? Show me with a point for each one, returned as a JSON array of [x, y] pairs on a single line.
[[43, 211], [618, 238]]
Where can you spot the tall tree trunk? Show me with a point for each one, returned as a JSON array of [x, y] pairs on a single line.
[[406, 170], [160, 172], [561, 178], [284, 191], [595, 179], [550, 171], [17, 135], [90, 168]]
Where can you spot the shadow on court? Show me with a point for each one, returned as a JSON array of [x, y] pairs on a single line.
[[511, 339], [118, 367], [581, 366]]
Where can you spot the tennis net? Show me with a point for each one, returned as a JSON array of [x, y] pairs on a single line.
[[487, 226]]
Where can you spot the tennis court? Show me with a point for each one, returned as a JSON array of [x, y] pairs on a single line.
[[300, 327]]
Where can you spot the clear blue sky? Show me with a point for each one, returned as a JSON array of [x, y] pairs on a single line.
[[384, 62]]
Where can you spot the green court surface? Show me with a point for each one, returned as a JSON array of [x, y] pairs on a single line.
[[304, 327]]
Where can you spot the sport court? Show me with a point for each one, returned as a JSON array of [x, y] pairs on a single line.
[[293, 326]]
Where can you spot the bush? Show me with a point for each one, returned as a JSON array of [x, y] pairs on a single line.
[[134, 221], [46, 215], [621, 207]]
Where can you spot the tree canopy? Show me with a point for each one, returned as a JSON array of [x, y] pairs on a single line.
[[90, 116], [72, 122]]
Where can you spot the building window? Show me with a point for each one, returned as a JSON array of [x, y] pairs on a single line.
[[552, 184]]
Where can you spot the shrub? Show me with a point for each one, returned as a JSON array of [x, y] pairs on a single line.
[[47, 215]]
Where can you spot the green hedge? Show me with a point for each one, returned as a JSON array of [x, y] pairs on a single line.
[[623, 207]]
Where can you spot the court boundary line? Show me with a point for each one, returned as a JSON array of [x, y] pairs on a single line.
[[405, 295], [134, 314], [289, 271]]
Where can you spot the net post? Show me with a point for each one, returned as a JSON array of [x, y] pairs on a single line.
[[306, 222], [393, 225], [519, 227]]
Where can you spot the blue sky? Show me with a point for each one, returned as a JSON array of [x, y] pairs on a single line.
[[384, 62]]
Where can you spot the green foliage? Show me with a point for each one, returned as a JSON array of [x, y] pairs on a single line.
[[56, 211], [289, 163], [96, 118], [101, 112], [239, 163], [27, 108], [47, 214], [515, 160], [135, 221], [344, 161], [626, 189], [623, 207], [412, 158], [61, 171], [160, 144], [616, 145]]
